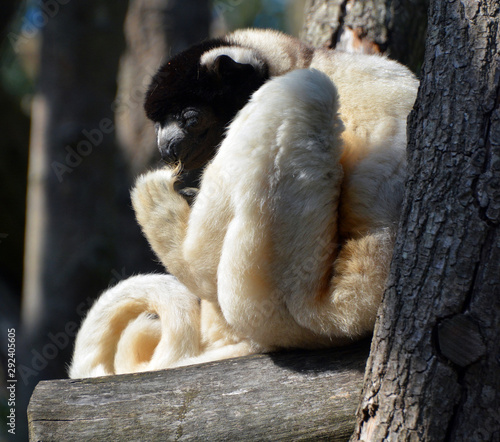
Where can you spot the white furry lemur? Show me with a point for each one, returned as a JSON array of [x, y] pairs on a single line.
[[289, 239]]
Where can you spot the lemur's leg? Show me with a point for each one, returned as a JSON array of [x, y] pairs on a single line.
[[282, 240], [280, 281], [187, 240]]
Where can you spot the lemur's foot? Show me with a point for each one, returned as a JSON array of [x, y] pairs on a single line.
[[153, 194]]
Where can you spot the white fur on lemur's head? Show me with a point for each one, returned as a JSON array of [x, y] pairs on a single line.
[[238, 54]]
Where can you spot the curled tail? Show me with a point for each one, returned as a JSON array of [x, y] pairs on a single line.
[[137, 326]]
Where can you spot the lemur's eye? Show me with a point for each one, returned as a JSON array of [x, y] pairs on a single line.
[[190, 118]]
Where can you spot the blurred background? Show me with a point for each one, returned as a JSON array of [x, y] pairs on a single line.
[[73, 75], [72, 80]]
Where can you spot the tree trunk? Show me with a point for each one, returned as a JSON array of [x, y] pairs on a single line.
[[154, 30], [395, 28], [76, 180], [81, 234], [433, 368]]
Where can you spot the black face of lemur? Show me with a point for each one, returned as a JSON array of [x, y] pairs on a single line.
[[187, 136], [192, 104]]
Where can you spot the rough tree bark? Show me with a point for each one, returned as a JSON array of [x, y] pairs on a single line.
[[395, 28], [433, 367], [292, 396]]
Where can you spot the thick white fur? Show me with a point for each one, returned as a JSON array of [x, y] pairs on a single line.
[[240, 55], [144, 323], [376, 95], [260, 246], [102, 346]]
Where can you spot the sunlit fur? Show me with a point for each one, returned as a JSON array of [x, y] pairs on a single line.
[[258, 247], [289, 241]]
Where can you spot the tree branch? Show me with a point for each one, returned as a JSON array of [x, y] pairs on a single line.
[[302, 395]]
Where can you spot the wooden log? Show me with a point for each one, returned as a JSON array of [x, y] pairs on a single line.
[[296, 395]]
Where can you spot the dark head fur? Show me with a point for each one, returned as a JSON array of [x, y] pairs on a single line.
[[183, 81]]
